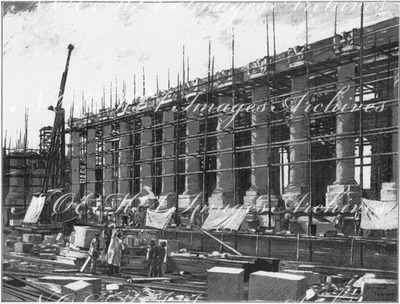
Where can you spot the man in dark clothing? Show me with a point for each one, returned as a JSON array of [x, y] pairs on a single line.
[[151, 259], [94, 252], [159, 257], [107, 232]]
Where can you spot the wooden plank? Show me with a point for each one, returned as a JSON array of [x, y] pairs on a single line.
[[219, 241], [85, 265]]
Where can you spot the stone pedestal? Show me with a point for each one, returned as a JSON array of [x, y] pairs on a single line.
[[341, 195], [225, 284], [220, 198], [389, 192], [345, 190], [295, 192]]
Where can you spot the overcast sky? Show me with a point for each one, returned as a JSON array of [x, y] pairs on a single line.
[[116, 39]]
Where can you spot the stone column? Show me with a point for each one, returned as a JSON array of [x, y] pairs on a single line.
[[168, 194], [146, 154], [257, 194], [345, 190], [389, 191], [298, 175], [75, 160], [108, 178], [91, 161], [192, 164], [124, 169], [223, 193]]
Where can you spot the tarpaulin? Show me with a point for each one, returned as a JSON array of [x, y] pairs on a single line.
[[34, 210], [378, 215], [226, 218], [159, 219]]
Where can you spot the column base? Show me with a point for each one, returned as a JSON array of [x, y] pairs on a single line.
[[167, 201], [341, 195], [251, 196], [389, 192], [220, 198], [296, 197], [188, 200]]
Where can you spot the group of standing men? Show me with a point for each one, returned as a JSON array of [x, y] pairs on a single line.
[[156, 258], [113, 248]]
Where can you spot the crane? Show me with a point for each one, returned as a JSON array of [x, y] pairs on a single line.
[[55, 160]]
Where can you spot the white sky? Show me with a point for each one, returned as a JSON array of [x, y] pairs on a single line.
[[118, 39]]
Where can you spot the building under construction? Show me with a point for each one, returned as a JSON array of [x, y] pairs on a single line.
[[300, 126]]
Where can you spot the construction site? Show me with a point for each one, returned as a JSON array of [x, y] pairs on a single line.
[[276, 181]]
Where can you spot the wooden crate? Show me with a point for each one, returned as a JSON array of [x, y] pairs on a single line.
[[23, 247]]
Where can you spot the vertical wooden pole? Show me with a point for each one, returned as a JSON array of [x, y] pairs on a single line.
[[298, 247], [351, 251], [191, 239], [257, 245], [222, 239]]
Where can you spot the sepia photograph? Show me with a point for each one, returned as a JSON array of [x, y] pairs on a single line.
[[199, 151]]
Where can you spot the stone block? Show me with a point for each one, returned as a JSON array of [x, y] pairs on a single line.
[[10, 244], [80, 290], [32, 238], [312, 278], [379, 290], [49, 239], [276, 286], [23, 247], [84, 235], [389, 192], [60, 280], [16, 222], [225, 284], [341, 195]]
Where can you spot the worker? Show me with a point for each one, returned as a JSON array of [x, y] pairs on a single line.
[[357, 222], [150, 259], [114, 253], [107, 232], [286, 221], [160, 258], [94, 252], [338, 223]]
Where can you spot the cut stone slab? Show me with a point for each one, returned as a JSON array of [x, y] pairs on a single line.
[[276, 286], [32, 238], [23, 247], [379, 290], [49, 239], [360, 281], [225, 284], [79, 289], [64, 280], [312, 278]]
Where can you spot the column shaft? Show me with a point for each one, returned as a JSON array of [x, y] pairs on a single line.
[[125, 169], [75, 174], [168, 166], [223, 193], [298, 174], [146, 154], [108, 178], [345, 189], [192, 163], [91, 161]]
